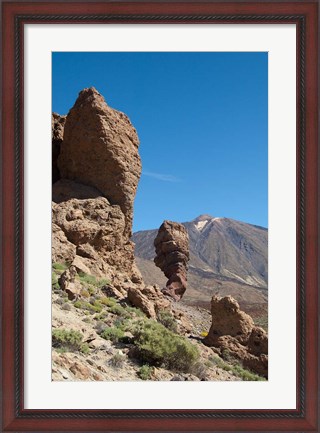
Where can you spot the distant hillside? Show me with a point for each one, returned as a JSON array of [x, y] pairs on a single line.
[[226, 257]]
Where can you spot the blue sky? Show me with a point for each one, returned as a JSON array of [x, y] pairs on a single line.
[[202, 120]]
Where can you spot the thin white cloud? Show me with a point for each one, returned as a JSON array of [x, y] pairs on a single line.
[[161, 176]]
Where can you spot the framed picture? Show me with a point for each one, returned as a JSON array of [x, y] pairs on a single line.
[[223, 98]]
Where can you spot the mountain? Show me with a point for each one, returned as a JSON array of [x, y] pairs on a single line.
[[227, 257]]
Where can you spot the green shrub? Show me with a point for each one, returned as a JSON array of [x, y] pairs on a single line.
[[68, 340], [114, 334], [237, 370], [91, 280], [91, 290], [54, 281], [134, 312], [160, 347], [103, 282], [108, 302], [85, 348], [85, 293], [101, 316], [123, 323], [167, 320], [145, 372], [199, 369], [100, 326], [216, 360], [83, 305], [117, 360], [87, 279], [225, 353], [79, 304], [60, 266], [119, 311], [245, 374]]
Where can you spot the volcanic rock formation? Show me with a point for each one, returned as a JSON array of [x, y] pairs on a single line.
[[99, 168], [234, 332], [100, 149], [172, 256], [149, 299], [69, 284]]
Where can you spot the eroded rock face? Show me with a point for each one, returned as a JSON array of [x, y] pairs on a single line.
[[62, 250], [69, 284], [172, 256], [234, 331], [258, 341], [57, 124], [100, 149], [99, 168], [94, 231], [149, 299], [228, 319]]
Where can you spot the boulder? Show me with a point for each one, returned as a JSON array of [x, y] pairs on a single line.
[[149, 299], [228, 319], [69, 284], [233, 332], [139, 300], [112, 292], [172, 256]]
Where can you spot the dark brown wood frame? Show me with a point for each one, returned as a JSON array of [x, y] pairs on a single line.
[[15, 418]]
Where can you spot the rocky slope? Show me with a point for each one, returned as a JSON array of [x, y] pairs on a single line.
[[104, 338], [227, 257]]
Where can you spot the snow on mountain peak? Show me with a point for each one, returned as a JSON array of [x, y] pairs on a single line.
[[201, 224], [202, 221]]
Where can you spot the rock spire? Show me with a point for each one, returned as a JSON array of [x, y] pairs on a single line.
[[172, 256]]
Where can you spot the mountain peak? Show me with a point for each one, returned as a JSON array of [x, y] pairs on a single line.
[[204, 217], [202, 220]]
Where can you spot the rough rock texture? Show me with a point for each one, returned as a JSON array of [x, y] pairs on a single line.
[[94, 231], [57, 124], [99, 168], [149, 299], [62, 250], [100, 149], [258, 341], [69, 284], [228, 319], [112, 292], [172, 256], [233, 331]]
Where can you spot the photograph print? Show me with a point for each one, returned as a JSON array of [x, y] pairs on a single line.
[[159, 216]]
